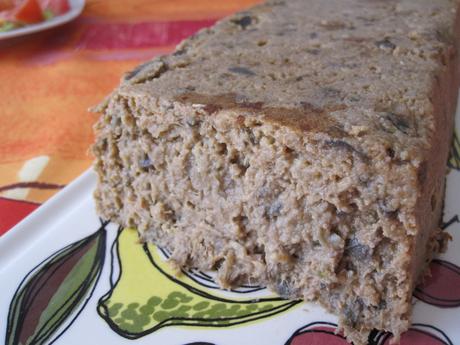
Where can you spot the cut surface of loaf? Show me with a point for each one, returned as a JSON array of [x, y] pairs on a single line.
[[301, 144]]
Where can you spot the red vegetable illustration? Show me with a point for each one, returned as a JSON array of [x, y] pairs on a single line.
[[442, 288], [419, 334], [317, 333], [323, 333], [54, 293]]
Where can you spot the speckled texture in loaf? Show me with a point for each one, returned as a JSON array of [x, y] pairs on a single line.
[[301, 144]]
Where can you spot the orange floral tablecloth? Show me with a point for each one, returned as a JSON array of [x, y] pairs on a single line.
[[49, 80]]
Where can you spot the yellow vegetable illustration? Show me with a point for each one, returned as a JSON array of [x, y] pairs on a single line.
[[454, 159], [148, 296]]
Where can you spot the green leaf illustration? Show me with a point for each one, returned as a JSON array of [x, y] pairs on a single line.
[[54, 290], [454, 159]]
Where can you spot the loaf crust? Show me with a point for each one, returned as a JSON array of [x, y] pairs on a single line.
[[301, 144]]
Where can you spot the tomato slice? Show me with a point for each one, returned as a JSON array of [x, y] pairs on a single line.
[[29, 12], [57, 7]]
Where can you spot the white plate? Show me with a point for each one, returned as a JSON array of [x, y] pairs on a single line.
[[76, 7], [42, 252]]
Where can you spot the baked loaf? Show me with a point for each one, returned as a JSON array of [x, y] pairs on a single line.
[[301, 144]]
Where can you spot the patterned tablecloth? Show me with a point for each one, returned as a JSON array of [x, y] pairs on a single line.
[[48, 81]]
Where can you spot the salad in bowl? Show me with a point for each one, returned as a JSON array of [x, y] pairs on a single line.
[[15, 14]]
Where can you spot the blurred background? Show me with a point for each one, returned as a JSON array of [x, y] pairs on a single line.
[[48, 80]]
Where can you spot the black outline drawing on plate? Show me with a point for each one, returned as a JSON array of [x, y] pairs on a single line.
[[435, 335], [54, 293], [450, 222], [454, 158], [327, 330], [442, 276], [130, 321], [318, 327], [207, 281]]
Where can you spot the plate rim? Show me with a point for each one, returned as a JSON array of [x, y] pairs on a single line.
[[24, 234]]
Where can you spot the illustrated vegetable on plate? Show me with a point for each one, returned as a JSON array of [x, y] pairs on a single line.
[[18, 13], [148, 296]]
